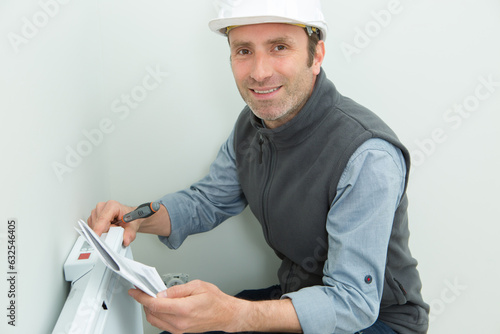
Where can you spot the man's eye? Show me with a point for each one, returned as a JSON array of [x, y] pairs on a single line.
[[243, 52], [280, 48]]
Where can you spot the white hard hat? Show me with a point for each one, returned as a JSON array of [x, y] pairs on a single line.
[[244, 12]]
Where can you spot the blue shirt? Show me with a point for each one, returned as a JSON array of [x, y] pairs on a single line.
[[359, 225]]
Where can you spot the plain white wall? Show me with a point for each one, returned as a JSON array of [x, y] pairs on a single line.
[[89, 65], [51, 91]]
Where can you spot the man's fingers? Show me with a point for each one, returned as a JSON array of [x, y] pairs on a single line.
[[154, 320], [102, 225], [193, 307], [185, 290], [128, 235], [154, 305], [168, 322], [142, 298], [91, 218], [162, 294], [105, 214]]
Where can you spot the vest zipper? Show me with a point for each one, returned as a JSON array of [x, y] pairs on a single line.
[[261, 141], [267, 185]]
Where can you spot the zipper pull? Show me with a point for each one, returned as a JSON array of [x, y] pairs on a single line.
[[261, 141]]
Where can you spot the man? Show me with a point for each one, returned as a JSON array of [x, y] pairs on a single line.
[[324, 176]]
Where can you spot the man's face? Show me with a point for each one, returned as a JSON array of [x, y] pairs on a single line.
[[269, 63]]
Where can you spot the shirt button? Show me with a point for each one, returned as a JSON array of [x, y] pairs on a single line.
[[368, 279]]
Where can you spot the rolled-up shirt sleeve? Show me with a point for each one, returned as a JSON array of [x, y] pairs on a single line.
[[359, 225], [208, 202]]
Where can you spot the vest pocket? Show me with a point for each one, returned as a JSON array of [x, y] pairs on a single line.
[[394, 291]]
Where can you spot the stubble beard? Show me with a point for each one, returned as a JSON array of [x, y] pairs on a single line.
[[294, 98]]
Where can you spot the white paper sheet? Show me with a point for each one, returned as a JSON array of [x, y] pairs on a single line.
[[144, 277]]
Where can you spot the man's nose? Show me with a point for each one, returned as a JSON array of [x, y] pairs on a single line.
[[262, 68]]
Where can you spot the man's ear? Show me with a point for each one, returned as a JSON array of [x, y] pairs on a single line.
[[318, 57]]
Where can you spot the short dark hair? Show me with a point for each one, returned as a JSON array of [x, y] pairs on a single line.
[[311, 47]]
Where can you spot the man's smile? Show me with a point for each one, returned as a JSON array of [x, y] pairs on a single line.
[[264, 92]]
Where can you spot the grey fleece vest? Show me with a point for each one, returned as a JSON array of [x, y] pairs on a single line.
[[289, 176]]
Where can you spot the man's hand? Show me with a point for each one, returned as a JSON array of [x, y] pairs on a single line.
[[106, 213], [193, 307], [197, 307]]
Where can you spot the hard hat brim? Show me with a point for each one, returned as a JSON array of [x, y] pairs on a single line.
[[219, 25]]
